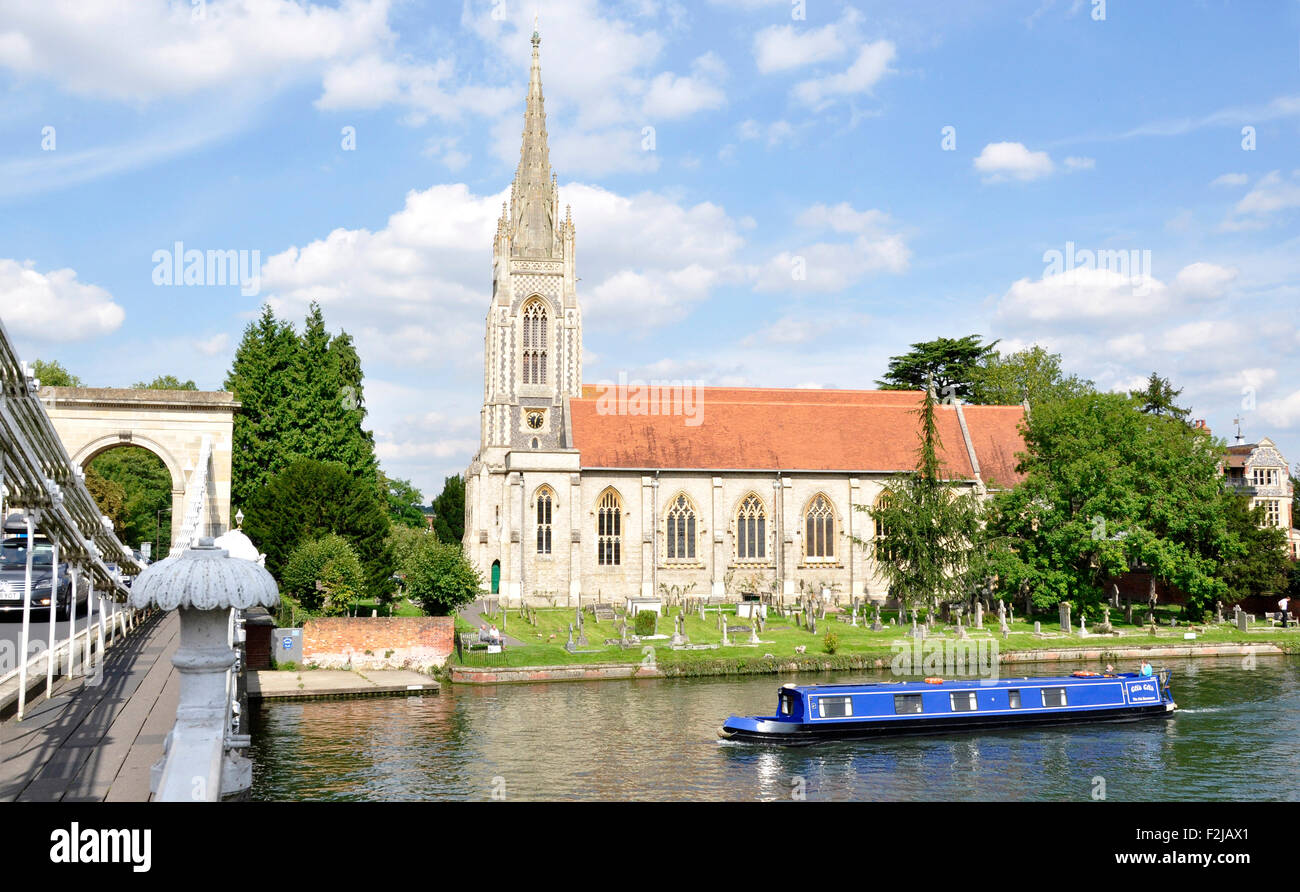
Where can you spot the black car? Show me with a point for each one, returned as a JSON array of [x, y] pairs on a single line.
[[13, 573]]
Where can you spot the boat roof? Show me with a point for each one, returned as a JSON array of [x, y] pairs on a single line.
[[1001, 681]]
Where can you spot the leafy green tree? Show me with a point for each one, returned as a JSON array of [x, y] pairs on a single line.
[[930, 525], [440, 577], [403, 541], [1109, 490], [52, 374], [404, 501], [947, 364], [1033, 374], [324, 576], [165, 382], [259, 378], [449, 510], [1254, 558], [109, 495], [309, 499], [1158, 398], [145, 485]]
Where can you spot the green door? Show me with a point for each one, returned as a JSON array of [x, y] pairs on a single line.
[[496, 577]]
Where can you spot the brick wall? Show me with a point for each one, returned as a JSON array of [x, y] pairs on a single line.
[[419, 643]]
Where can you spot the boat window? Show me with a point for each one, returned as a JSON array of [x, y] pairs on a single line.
[[787, 704], [907, 704], [1053, 696], [834, 707], [962, 701], [1014, 696]]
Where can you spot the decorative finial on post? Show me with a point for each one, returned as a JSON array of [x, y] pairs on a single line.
[[204, 583]]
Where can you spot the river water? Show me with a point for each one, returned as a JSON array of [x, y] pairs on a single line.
[[1234, 738]]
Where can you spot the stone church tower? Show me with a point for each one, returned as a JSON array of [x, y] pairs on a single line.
[[533, 346]]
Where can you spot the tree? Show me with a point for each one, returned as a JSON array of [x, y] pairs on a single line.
[[108, 495], [145, 487], [52, 374], [165, 382], [439, 576], [449, 510], [1254, 556], [1109, 490], [324, 575], [1158, 398], [948, 365], [930, 525], [404, 501], [1033, 374], [259, 378], [309, 499]]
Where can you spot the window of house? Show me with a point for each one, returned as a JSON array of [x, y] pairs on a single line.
[[819, 522], [1272, 511], [544, 502], [609, 530], [681, 530], [751, 530]]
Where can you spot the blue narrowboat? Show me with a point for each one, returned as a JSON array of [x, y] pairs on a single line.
[[813, 713]]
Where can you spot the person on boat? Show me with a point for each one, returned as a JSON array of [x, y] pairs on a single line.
[[1146, 668], [1110, 670]]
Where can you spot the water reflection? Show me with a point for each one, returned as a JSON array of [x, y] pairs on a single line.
[[656, 740]]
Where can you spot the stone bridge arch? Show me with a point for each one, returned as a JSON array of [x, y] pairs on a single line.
[[171, 424]]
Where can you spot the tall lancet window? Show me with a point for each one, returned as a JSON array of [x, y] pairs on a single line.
[[681, 530], [535, 345], [819, 543], [609, 529], [544, 503], [751, 530]]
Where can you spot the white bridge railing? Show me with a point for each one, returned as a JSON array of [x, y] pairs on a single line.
[[194, 524], [39, 478]]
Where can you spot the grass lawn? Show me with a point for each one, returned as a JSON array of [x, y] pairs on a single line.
[[401, 607], [544, 641]]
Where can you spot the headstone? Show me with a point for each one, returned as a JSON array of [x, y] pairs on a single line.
[[1038, 628], [753, 632], [1241, 620], [1064, 609], [854, 620], [812, 623], [677, 633], [875, 623], [569, 646], [1128, 611], [1083, 625], [1105, 628], [913, 633], [979, 614], [1218, 611], [726, 642]]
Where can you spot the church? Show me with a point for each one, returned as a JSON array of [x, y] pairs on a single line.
[[577, 495]]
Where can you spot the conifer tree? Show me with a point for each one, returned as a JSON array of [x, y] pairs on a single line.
[[259, 378]]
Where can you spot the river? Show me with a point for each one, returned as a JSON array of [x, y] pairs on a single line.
[[1234, 737]]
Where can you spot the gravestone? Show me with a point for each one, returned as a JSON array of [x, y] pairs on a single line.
[[979, 614], [753, 632], [1218, 611], [569, 646], [875, 623], [726, 642], [1064, 608], [1105, 628], [913, 633], [1038, 629], [1241, 620], [1083, 626], [1128, 611]]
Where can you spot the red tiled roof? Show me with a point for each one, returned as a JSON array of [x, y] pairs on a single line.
[[792, 429]]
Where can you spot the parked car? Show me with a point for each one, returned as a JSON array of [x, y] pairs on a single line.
[[13, 572]]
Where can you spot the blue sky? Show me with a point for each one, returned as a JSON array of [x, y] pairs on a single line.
[[709, 150]]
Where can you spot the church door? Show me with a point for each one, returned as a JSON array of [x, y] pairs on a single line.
[[496, 577]]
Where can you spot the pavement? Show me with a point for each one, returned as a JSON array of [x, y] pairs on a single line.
[[472, 613], [270, 684]]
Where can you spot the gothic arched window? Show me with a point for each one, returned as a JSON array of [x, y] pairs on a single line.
[[681, 530], [819, 521], [535, 346], [609, 529], [545, 500], [751, 530]]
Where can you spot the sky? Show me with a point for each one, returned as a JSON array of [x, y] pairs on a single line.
[[766, 192]]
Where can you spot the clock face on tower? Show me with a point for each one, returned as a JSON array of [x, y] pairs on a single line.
[[536, 420]]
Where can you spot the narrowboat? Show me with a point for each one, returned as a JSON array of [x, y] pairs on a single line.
[[813, 713]]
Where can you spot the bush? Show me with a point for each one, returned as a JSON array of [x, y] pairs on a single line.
[[330, 561], [831, 642], [644, 624], [440, 577]]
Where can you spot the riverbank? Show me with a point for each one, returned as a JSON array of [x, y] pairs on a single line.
[[1102, 654], [329, 684]]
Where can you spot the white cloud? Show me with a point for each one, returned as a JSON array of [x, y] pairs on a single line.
[[151, 49], [1203, 281], [1283, 412], [871, 64], [1083, 294], [783, 47], [1261, 206], [1000, 161], [1230, 179], [672, 97], [843, 218], [1201, 334], [54, 306], [213, 345], [1079, 163]]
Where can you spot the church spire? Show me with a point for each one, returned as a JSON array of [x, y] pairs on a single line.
[[533, 198]]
